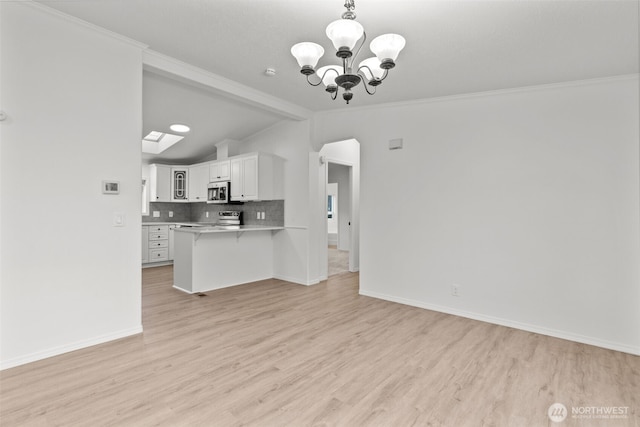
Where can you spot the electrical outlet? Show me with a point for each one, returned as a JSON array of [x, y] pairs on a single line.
[[263, 215], [170, 214], [257, 215], [206, 214], [455, 290], [156, 214]]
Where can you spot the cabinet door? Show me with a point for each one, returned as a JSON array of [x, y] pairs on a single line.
[[145, 244], [250, 178], [220, 171], [179, 189], [236, 179], [160, 183], [224, 170], [198, 181]]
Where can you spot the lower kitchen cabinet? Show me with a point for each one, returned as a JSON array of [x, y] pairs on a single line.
[[157, 243]]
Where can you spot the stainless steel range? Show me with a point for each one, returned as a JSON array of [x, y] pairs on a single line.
[[229, 219]]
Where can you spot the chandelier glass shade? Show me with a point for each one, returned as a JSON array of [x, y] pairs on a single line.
[[348, 35]]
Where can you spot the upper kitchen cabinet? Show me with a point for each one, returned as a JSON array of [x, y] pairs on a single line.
[[198, 181], [159, 183], [256, 176], [220, 171], [179, 184]]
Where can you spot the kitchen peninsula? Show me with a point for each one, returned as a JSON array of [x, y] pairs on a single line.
[[214, 257]]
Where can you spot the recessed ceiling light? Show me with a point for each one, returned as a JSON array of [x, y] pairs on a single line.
[[180, 128]]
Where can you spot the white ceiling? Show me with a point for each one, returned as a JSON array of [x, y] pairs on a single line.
[[212, 118], [453, 47]]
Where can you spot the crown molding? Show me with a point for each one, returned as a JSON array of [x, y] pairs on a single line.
[[485, 94], [85, 24]]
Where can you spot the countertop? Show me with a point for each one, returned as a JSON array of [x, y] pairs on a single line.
[[178, 223], [201, 229]]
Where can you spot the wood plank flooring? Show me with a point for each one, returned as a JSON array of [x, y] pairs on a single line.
[[274, 353], [338, 260]]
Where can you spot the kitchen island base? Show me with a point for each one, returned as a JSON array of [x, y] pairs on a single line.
[[207, 261]]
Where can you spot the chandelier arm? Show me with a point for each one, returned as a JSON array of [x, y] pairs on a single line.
[[364, 77], [313, 84], [334, 95], [364, 39], [366, 86], [324, 74]]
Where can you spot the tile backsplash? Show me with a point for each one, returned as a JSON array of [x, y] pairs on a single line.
[[181, 212], [197, 212]]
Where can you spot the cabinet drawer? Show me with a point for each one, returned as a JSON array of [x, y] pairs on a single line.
[[154, 244], [158, 229], [161, 254], [158, 235]]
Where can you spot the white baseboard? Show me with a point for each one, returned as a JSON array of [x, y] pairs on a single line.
[[182, 290], [509, 323], [55, 351], [296, 280]]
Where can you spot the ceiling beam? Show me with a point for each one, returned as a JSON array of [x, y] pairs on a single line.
[[189, 74]]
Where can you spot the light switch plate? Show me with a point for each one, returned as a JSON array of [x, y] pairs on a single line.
[[118, 219], [170, 214], [156, 214]]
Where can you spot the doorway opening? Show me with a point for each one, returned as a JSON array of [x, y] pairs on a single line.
[[338, 217], [340, 166]]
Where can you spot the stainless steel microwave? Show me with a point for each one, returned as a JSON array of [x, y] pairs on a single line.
[[218, 192]]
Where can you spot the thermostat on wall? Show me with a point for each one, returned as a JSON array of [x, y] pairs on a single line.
[[395, 144], [110, 187]]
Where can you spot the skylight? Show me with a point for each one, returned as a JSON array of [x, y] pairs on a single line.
[[154, 136], [156, 142]]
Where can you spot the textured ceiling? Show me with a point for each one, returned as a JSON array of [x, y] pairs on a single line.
[[453, 47]]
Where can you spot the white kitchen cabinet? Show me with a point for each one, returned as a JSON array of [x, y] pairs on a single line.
[[198, 181], [159, 183], [220, 171], [256, 176], [158, 243], [179, 184], [145, 244]]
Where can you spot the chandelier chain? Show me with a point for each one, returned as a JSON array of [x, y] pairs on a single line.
[[350, 4]]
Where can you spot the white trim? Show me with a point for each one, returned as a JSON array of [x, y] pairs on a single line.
[[167, 66], [55, 351], [85, 24], [508, 323], [489, 93], [183, 290], [297, 281], [156, 264]]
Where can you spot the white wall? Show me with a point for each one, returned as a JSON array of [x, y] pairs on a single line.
[[73, 98], [527, 199], [289, 140]]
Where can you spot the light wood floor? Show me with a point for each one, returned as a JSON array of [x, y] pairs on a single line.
[[338, 260], [278, 354]]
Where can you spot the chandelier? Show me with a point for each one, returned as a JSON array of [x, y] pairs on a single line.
[[345, 34]]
